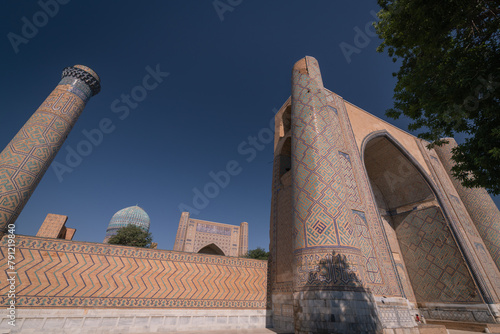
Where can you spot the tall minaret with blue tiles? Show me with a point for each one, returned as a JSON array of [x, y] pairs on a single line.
[[328, 267], [27, 157]]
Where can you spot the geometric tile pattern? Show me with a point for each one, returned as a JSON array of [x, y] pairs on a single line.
[[388, 272], [243, 239], [203, 239], [78, 274], [322, 217], [350, 181], [366, 245], [484, 269], [434, 263], [26, 158], [213, 229], [226, 237], [195, 234], [181, 232], [319, 194], [132, 215], [481, 208]]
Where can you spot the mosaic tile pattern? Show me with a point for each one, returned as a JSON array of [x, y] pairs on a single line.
[[321, 216], [132, 215], [206, 228], [366, 244], [243, 242], [26, 158], [181, 232], [486, 273], [350, 181], [194, 234], [384, 281], [481, 208], [78, 274], [390, 284], [435, 265]]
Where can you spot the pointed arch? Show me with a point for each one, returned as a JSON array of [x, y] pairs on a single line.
[[211, 249], [416, 224]]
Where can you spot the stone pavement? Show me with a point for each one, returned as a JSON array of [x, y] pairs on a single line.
[[268, 331], [232, 331]]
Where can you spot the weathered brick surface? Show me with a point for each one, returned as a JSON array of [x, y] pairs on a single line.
[[53, 226]]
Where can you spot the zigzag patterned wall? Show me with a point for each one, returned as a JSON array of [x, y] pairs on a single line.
[[59, 273]]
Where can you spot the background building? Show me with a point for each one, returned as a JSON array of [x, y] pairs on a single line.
[[54, 227], [201, 236], [131, 215]]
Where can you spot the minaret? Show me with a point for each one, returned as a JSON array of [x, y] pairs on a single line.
[[243, 244], [328, 265], [26, 158]]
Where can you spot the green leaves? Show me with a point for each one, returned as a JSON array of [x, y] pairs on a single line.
[[258, 253], [447, 83], [131, 235]]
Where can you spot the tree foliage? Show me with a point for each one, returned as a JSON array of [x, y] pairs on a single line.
[[258, 253], [449, 79], [131, 235]]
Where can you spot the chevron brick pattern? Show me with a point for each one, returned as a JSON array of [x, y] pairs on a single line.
[[78, 274], [26, 158], [434, 263]]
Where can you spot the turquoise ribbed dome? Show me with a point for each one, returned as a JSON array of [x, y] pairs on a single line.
[[131, 215]]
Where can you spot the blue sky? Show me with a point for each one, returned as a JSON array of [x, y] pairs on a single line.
[[223, 72]]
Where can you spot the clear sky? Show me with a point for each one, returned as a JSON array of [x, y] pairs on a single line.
[[228, 69]]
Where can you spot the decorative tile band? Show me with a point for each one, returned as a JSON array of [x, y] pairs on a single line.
[[59, 273]]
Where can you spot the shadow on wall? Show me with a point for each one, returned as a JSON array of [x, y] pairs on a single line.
[[334, 299]]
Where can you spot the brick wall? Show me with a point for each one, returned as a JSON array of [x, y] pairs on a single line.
[[68, 274]]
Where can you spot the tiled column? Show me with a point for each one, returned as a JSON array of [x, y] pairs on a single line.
[[481, 208], [243, 242], [180, 238], [26, 158], [328, 266]]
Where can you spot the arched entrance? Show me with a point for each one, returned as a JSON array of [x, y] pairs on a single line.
[[429, 261], [211, 249]]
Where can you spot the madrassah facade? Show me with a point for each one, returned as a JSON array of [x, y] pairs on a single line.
[[369, 233]]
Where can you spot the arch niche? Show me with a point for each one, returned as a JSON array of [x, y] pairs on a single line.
[[212, 249], [428, 259]]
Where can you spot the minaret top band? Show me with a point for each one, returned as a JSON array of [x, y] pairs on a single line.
[[84, 74]]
